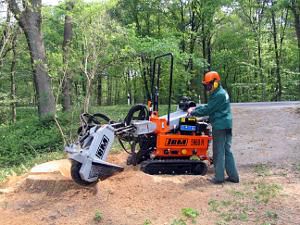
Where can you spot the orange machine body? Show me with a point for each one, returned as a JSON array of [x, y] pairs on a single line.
[[176, 145]]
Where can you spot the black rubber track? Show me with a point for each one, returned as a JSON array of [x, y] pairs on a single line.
[[174, 167]]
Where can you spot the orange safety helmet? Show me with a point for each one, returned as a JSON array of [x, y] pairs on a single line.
[[211, 76]]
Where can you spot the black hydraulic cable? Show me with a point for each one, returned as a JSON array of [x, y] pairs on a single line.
[[122, 145]]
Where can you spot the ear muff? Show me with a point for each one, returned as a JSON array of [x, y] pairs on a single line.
[[216, 84]]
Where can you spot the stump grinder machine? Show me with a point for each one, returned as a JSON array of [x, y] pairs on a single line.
[[172, 144]]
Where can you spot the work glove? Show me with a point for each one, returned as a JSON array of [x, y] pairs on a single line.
[[190, 110]]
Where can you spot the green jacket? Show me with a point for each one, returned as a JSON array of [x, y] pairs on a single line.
[[218, 110]]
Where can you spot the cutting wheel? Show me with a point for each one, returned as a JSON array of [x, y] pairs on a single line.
[[75, 168]]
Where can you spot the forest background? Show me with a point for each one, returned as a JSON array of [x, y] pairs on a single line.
[[58, 61]]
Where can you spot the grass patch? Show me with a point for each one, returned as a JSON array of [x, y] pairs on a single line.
[[264, 192], [147, 222], [237, 194], [272, 215], [243, 216], [214, 205], [178, 222], [228, 216], [221, 223], [229, 210], [241, 204], [262, 170]]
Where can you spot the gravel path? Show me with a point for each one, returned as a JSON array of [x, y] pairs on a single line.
[[265, 134]]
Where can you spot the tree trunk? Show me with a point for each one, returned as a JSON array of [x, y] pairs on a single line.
[[259, 55], [159, 24], [203, 37], [128, 86], [30, 21], [182, 26], [136, 18], [5, 37], [66, 46], [277, 70], [134, 90], [204, 55], [87, 96], [148, 23], [76, 90], [83, 75], [144, 76], [209, 49], [109, 89], [13, 80], [295, 7], [116, 95], [99, 89]]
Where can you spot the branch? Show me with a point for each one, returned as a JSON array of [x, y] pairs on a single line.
[[60, 130], [283, 32], [13, 6]]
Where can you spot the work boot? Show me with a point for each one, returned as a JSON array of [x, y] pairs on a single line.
[[214, 181], [229, 179]]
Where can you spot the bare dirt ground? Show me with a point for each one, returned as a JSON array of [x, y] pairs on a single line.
[[267, 150]]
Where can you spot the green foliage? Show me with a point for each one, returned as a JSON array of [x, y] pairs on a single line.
[[98, 216], [189, 214], [147, 222], [27, 138], [5, 114]]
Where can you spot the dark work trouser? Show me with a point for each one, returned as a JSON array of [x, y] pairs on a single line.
[[223, 158]]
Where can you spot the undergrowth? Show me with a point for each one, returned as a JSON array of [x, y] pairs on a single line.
[[30, 141]]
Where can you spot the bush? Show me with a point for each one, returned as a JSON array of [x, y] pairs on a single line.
[[28, 137]]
